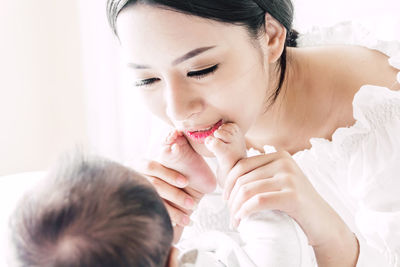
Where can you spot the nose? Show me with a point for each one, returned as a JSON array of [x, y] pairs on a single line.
[[182, 102]]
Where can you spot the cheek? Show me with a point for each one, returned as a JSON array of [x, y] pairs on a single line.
[[155, 104], [244, 100]]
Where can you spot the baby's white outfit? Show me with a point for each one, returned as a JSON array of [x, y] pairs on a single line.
[[267, 238], [357, 173]]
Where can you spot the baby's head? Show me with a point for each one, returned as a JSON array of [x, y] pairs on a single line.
[[92, 212]]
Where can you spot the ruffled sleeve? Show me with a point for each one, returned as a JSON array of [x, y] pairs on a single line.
[[358, 172], [395, 62], [374, 173]]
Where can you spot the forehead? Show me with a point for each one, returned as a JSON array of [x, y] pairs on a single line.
[[152, 31]]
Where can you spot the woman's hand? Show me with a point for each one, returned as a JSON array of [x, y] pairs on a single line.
[[270, 181], [275, 182], [179, 199]]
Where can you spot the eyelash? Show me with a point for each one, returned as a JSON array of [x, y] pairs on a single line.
[[194, 74], [202, 73]]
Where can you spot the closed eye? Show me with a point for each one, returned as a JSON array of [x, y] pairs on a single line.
[[195, 74], [202, 73], [146, 82]]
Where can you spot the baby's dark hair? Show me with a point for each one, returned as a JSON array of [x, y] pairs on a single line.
[[92, 212]]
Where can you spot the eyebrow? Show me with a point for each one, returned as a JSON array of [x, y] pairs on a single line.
[[191, 54]]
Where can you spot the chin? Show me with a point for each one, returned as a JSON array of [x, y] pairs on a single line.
[[201, 149]]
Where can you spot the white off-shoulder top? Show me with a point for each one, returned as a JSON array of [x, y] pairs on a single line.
[[358, 172]]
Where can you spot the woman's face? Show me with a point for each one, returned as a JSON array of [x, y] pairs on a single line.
[[193, 73]]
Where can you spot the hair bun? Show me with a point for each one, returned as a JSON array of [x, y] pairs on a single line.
[[291, 39]]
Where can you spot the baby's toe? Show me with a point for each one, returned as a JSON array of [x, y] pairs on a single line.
[[232, 128], [166, 151], [172, 136], [215, 145], [224, 135], [229, 133], [181, 140]]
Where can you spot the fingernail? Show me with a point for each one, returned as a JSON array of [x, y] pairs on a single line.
[[189, 203], [181, 181], [185, 220]]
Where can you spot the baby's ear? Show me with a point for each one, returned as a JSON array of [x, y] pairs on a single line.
[[274, 39]]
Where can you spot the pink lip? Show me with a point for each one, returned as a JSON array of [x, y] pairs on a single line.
[[200, 136]]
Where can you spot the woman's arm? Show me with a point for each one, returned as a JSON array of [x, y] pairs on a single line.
[[333, 242], [275, 182]]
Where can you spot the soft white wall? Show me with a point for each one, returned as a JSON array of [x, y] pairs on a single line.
[[380, 17], [119, 124], [42, 110], [102, 71]]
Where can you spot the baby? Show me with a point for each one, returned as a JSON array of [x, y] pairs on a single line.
[[268, 238], [94, 212]]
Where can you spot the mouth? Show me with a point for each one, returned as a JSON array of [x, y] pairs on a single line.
[[200, 135]]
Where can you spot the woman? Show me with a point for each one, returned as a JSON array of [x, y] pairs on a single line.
[[200, 62]]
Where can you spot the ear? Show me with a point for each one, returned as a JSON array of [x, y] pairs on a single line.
[[274, 39]]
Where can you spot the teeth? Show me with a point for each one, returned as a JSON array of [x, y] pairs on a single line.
[[204, 130]]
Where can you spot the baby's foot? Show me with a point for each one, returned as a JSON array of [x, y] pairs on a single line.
[[229, 146], [178, 155]]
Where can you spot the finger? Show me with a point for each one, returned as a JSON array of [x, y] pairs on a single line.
[[263, 172], [178, 217], [156, 169], [177, 234], [172, 194], [263, 201], [249, 190], [196, 195], [247, 165], [247, 182]]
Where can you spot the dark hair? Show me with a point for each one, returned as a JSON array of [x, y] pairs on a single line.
[[93, 212], [247, 13]]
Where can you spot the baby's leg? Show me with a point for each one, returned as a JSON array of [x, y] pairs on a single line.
[[178, 154], [228, 145], [271, 237]]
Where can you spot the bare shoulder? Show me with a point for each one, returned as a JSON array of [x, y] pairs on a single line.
[[359, 66], [340, 71]]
